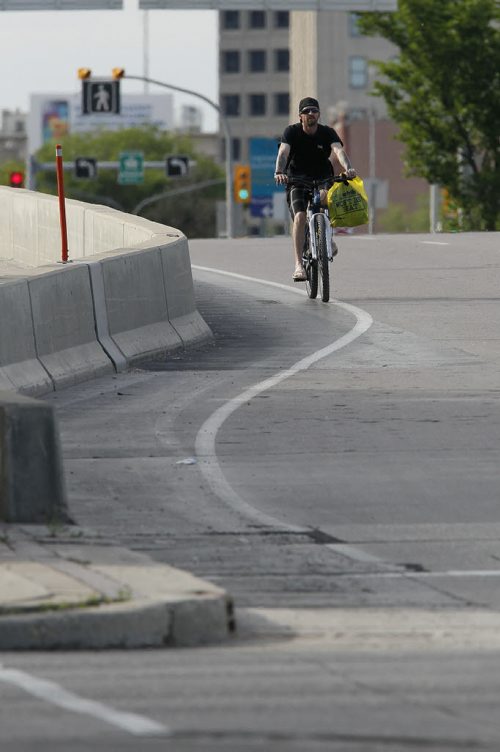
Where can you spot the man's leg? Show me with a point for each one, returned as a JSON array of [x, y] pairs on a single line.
[[298, 232]]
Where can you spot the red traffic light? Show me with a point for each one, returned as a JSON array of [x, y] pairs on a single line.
[[16, 179]]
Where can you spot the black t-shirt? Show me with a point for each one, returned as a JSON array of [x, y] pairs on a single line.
[[309, 154]]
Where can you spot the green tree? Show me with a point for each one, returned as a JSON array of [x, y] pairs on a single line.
[[12, 165], [443, 90], [193, 213], [397, 218]]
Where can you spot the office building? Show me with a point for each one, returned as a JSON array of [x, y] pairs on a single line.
[[269, 60]]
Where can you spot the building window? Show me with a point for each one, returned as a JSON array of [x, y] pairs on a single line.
[[256, 61], [257, 104], [230, 62], [358, 72], [236, 149], [230, 19], [353, 21], [257, 19], [281, 19], [282, 103], [282, 60], [231, 105]]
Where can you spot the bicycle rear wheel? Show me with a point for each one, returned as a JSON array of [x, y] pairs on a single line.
[[311, 267], [324, 272]]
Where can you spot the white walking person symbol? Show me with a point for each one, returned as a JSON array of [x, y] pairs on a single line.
[[101, 98]]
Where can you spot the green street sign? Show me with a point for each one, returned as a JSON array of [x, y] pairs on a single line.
[[131, 168]]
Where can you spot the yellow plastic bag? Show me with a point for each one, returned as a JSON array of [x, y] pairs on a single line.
[[348, 204]]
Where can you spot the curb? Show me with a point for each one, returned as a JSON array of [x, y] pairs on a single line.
[[135, 624], [69, 593]]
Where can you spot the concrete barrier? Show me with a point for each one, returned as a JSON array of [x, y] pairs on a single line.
[[20, 368], [127, 296], [178, 280], [31, 479], [64, 326], [136, 305]]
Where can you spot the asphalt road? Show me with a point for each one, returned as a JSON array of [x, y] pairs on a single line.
[[336, 468]]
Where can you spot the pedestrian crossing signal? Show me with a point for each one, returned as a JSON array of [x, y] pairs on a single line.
[[242, 184], [100, 96]]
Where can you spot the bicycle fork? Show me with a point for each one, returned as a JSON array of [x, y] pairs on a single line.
[[321, 217]]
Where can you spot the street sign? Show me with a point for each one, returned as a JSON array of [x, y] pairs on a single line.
[[85, 167], [100, 96], [131, 168], [263, 153], [348, 5], [377, 191], [61, 5], [177, 166]]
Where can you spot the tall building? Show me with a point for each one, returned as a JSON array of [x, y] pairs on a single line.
[[12, 135], [254, 74], [269, 60]]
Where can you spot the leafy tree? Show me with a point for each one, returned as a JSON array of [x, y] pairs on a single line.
[[397, 218], [193, 213], [443, 90], [12, 165]]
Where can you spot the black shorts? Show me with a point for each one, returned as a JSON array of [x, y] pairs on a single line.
[[297, 197]]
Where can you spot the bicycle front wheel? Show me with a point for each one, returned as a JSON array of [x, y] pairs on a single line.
[[323, 268]]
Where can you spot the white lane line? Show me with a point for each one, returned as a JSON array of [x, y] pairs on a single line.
[[345, 549], [406, 573], [433, 242], [208, 462], [52, 693]]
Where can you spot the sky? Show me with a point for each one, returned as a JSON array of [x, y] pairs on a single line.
[[42, 50]]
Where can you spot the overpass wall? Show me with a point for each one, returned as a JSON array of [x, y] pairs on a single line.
[[127, 294]]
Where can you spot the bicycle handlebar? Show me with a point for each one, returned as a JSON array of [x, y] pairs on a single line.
[[318, 183]]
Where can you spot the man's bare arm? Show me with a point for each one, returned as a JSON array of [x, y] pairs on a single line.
[[281, 160], [339, 152]]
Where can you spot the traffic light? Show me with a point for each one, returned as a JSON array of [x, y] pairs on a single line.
[[118, 72], [16, 179], [242, 184], [84, 73]]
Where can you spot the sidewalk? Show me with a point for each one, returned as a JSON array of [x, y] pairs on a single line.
[[59, 590]]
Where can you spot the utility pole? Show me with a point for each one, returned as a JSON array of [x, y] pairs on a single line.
[[372, 145], [145, 49], [227, 134]]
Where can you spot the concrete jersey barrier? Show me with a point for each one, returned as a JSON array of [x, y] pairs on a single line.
[[127, 294]]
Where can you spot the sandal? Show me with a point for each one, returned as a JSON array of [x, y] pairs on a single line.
[[299, 274]]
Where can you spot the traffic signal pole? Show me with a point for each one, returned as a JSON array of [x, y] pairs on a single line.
[[227, 134]]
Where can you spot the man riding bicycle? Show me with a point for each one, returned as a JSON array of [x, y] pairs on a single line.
[[307, 151]]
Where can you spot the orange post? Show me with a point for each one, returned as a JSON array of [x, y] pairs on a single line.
[[62, 205]]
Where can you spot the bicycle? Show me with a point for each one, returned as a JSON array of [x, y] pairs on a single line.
[[318, 246]]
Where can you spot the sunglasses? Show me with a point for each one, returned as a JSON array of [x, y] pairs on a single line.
[[310, 111]]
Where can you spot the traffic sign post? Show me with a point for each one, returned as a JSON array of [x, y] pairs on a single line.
[[100, 96], [131, 168], [85, 167], [176, 166]]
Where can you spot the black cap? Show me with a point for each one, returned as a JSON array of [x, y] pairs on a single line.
[[308, 102]]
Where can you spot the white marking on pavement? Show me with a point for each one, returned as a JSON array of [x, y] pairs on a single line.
[[416, 574], [344, 549], [206, 436], [50, 692], [433, 242]]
